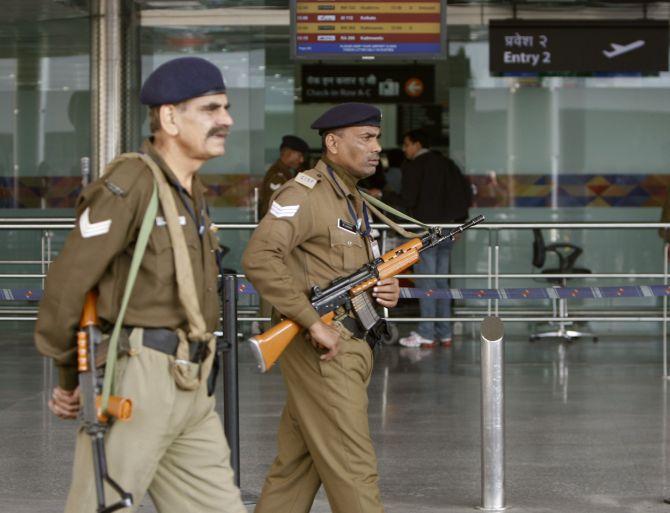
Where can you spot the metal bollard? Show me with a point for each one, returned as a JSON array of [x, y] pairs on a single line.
[[493, 415], [231, 407]]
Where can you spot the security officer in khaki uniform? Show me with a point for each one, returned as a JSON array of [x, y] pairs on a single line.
[[292, 153], [174, 446], [317, 230]]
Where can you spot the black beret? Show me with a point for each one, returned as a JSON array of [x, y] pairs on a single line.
[[295, 143], [181, 79], [348, 114]]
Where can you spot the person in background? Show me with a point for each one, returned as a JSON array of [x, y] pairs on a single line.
[[434, 191], [293, 151]]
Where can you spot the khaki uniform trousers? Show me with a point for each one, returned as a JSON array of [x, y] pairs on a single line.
[[173, 446], [324, 435]]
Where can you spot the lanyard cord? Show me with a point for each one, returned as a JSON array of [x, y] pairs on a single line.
[[200, 223], [352, 211]]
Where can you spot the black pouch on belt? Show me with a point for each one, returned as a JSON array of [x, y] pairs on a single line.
[[372, 336]]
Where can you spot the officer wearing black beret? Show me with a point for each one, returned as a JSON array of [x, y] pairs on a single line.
[[174, 446], [181, 79], [292, 153], [316, 230], [346, 115]]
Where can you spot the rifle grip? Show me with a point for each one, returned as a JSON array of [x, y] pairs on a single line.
[[268, 346], [82, 351]]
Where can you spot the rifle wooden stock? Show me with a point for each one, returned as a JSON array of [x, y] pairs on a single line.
[[268, 346], [120, 408]]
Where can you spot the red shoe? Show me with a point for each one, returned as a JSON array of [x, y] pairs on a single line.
[[446, 342], [428, 344]]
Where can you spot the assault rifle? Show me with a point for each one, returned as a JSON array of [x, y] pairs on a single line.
[[95, 420], [351, 292]]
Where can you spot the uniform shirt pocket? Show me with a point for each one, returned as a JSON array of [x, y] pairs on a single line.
[[346, 249], [163, 254]]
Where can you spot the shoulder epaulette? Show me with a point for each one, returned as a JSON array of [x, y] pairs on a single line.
[[120, 176], [309, 178]]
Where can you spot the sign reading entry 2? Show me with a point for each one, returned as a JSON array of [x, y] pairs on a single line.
[[569, 46]]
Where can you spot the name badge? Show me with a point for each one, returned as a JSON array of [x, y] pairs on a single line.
[[375, 249], [347, 227]]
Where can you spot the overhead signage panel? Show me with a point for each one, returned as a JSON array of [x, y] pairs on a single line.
[[376, 29], [569, 46], [374, 84]]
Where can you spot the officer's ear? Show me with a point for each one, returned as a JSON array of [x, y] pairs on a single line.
[[167, 115], [330, 142]]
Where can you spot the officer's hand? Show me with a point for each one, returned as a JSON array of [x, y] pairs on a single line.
[[387, 292], [64, 403], [327, 337]]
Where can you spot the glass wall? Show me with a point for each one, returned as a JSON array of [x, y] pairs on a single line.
[[535, 148], [44, 128], [44, 113], [571, 149]]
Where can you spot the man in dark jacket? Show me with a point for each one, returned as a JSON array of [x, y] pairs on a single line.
[[434, 191]]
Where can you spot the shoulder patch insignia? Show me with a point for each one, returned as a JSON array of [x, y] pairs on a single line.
[[305, 180], [115, 189], [288, 211], [89, 229]]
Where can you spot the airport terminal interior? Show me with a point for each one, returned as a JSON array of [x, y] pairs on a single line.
[[574, 159]]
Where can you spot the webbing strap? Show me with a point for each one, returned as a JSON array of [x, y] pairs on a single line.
[[138, 254], [187, 292], [374, 202]]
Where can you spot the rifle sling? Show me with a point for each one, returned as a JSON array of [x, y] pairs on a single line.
[[373, 202], [188, 295], [138, 254]]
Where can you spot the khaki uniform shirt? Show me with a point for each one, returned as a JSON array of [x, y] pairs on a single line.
[[278, 174], [299, 243], [98, 253]]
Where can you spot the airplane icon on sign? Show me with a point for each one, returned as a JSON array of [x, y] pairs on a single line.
[[621, 49]]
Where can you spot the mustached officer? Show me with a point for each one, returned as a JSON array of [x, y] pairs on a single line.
[[174, 446]]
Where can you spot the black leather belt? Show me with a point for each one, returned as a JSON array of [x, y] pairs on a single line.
[[166, 341]]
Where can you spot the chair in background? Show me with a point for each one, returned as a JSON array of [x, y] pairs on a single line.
[[567, 257]]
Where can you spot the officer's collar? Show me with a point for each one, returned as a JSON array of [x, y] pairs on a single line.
[[346, 181], [148, 147]]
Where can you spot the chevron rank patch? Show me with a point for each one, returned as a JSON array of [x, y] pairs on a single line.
[[89, 229], [288, 211], [275, 186], [305, 180]]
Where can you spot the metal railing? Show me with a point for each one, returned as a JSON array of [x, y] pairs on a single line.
[[493, 274]]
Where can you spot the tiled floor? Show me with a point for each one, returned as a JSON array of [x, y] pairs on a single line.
[[587, 428]]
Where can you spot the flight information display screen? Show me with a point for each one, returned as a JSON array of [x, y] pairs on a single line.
[[381, 29]]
